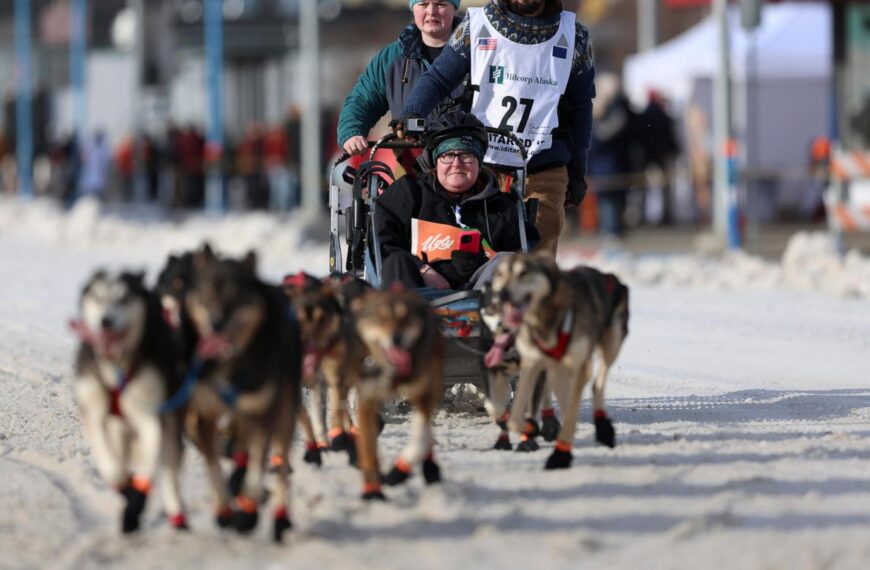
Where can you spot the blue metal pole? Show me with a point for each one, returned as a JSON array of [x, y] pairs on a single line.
[[214, 200], [78, 53], [23, 110]]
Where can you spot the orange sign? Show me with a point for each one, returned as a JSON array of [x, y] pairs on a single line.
[[436, 242]]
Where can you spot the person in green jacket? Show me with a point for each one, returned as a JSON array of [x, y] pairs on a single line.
[[391, 74]]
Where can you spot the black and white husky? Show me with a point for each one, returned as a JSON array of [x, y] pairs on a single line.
[[125, 372], [558, 321]]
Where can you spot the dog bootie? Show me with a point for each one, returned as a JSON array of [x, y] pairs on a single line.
[[431, 471], [372, 492], [550, 426], [604, 432], [224, 517], [245, 519], [135, 495], [312, 454], [178, 521], [503, 442], [560, 458], [280, 525], [340, 440], [400, 473], [237, 477]]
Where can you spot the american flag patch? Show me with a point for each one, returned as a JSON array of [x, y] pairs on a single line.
[[560, 52], [486, 44]]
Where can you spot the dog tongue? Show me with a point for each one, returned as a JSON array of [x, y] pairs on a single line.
[[495, 355], [309, 365], [400, 359]]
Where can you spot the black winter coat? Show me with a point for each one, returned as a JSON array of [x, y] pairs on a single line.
[[483, 208]]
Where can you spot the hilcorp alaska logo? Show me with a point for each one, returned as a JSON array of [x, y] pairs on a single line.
[[497, 74], [437, 242]]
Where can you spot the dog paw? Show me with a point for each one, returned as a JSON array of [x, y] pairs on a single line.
[[559, 459], [604, 432], [135, 504], [313, 456], [431, 471], [373, 496], [245, 521], [528, 445], [550, 428], [396, 476], [503, 443], [280, 525], [236, 480]]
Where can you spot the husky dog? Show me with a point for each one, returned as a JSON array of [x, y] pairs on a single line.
[[326, 330], [559, 321], [125, 372], [399, 352], [502, 363], [251, 366], [173, 283]]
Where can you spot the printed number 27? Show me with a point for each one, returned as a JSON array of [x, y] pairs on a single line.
[[511, 105]]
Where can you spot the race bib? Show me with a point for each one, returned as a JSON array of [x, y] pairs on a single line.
[[519, 86]]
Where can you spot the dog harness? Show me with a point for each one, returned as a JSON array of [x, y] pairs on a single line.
[[557, 352]]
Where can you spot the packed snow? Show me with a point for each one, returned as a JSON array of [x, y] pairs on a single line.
[[741, 402]]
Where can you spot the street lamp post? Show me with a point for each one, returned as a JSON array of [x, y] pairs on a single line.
[[23, 107], [214, 199]]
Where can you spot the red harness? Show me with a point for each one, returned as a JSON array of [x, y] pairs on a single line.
[[558, 351]]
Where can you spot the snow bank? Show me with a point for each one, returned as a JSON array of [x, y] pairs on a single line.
[[811, 262]]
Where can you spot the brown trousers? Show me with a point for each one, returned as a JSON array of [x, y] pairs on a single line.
[[549, 187]]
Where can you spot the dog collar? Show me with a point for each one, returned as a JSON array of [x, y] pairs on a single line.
[[557, 352]]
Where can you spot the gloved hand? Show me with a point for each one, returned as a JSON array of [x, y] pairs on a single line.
[[432, 278], [576, 191], [398, 124], [466, 263]]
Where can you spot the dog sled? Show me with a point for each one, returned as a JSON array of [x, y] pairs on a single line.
[[354, 249]]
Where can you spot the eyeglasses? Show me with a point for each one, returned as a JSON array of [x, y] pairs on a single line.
[[449, 157]]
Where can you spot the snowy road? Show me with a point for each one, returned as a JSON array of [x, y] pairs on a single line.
[[742, 413]]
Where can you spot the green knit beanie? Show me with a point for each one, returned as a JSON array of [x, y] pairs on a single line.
[[464, 143], [454, 2]]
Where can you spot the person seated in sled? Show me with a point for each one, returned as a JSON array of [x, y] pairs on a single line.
[[444, 228]]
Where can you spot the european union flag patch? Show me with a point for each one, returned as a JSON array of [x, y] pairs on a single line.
[[560, 52]]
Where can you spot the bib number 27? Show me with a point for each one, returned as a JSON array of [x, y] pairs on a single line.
[[511, 104]]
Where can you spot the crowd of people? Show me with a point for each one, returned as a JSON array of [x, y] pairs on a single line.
[[260, 168], [438, 64]]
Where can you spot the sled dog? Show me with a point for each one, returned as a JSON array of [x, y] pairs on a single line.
[[125, 372], [251, 359], [398, 352], [558, 322], [322, 309], [502, 364]]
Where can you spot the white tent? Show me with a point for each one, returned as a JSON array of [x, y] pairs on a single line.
[[792, 42], [789, 96]]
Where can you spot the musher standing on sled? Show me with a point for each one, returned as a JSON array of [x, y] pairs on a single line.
[[532, 72], [392, 73]]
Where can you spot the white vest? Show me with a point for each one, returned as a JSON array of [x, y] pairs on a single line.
[[519, 85]]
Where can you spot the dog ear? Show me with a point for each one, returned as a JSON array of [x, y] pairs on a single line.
[[203, 257], [250, 261]]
